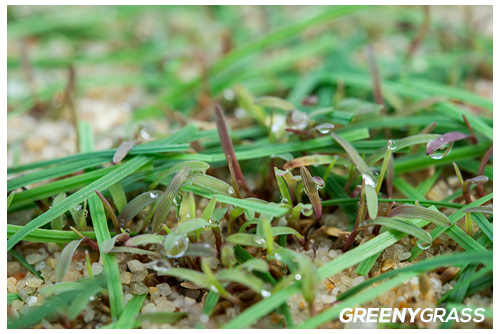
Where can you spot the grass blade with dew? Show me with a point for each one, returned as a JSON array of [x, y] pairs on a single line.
[[212, 184], [192, 225], [311, 190], [113, 280], [194, 167], [435, 146], [165, 201], [135, 206], [227, 145], [116, 175]]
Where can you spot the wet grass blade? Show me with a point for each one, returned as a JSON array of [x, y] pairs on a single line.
[[165, 202], [87, 192], [161, 317], [135, 206], [311, 190], [371, 201], [443, 140]]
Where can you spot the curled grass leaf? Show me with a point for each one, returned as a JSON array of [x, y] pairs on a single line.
[[425, 238], [282, 230], [166, 199], [64, 260], [443, 140], [419, 212], [212, 184], [311, 190], [135, 206]]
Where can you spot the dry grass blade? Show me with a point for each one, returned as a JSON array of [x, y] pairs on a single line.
[[122, 150]]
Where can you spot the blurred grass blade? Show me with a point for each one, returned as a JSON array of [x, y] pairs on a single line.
[[281, 230], [127, 319], [245, 239], [161, 317], [118, 195], [419, 212], [167, 198], [59, 222], [186, 274], [64, 260], [353, 154], [274, 102], [10, 198], [81, 301], [104, 182], [309, 160], [145, 239], [480, 209], [256, 264], [234, 275], [192, 225], [198, 250], [133, 250]]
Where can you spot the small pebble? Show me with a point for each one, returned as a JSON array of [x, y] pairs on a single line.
[[387, 264], [135, 265], [164, 289], [125, 277], [34, 282], [17, 304], [31, 301], [139, 289]]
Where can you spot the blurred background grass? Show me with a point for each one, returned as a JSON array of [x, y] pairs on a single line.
[[123, 68]]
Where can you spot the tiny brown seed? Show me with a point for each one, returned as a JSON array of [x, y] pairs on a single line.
[[332, 231], [448, 274], [387, 264]]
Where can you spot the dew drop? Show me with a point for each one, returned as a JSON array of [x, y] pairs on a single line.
[[325, 128], [204, 318], [179, 247], [391, 145], [153, 195], [145, 134], [265, 293], [284, 201], [441, 152], [423, 245], [370, 175], [259, 240], [298, 277], [230, 190], [214, 289]]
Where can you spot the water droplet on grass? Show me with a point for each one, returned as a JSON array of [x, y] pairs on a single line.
[[370, 175], [230, 190], [391, 145], [265, 293], [298, 277], [441, 152]]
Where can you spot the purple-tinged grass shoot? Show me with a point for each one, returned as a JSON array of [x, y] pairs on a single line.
[[467, 183], [234, 181], [227, 145], [441, 146], [472, 134]]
